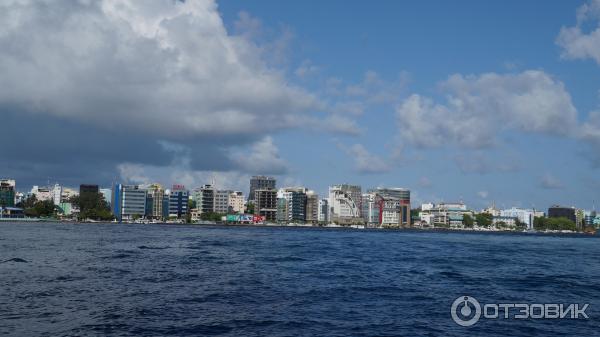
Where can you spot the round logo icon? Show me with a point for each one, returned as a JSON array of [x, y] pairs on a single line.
[[465, 311]]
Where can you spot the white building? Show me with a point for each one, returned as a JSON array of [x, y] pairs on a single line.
[[42, 193], [236, 202], [222, 201], [345, 203], [525, 216], [444, 214], [56, 194]]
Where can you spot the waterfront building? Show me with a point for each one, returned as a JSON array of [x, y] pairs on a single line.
[[41, 193], [345, 203], [312, 207], [7, 193], [236, 202], [86, 189], [370, 211], [393, 194], [260, 182], [525, 216], [178, 201], [129, 201], [557, 211], [156, 196], [265, 203], [56, 193], [323, 215], [222, 201], [505, 221], [291, 205], [386, 207], [205, 199], [444, 214]]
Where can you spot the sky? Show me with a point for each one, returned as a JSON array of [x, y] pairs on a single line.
[[481, 102]]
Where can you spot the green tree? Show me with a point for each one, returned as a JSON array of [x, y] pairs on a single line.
[[483, 219], [92, 206], [540, 223], [467, 220]]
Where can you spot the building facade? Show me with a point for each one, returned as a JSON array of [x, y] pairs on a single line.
[[205, 199], [261, 182], [345, 203], [265, 203], [129, 202], [236, 202], [7, 193], [557, 211], [178, 201], [323, 211]]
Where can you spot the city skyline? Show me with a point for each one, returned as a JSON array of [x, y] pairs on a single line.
[[396, 94]]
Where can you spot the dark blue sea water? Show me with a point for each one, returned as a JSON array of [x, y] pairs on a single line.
[[150, 280]]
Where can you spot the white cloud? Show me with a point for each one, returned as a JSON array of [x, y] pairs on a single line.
[[365, 162], [306, 69], [483, 194], [166, 67], [424, 182], [549, 181], [263, 158], [576, 43], [477, 108]]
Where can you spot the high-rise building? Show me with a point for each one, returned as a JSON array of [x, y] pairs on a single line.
[[323, 211], [265, 203], [178, 201], [236, 202], [129, 201], [157, 196], [557, 211], [345, 203], [84, 189], [222, 201], [205, 199], [56, 194], [260, 182], [312, 207], [7, 192], [402, 195], [291, 204]]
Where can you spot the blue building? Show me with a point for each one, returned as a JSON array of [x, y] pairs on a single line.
[[178, 201]]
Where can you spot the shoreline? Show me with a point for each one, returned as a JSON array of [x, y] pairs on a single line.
[[296, 226]]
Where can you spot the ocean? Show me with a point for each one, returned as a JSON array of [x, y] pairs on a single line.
[[185, 280]]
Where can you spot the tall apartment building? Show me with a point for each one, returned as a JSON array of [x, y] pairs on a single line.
[[345, 203], [129, 201], [205, 199], [291, 204], [178, 201], [525, 216], [7, 192], [56, 193], [260, 182], [236, 202], [222, 201], [402, 196], [323, 212], [312, 207], [156, 195], [265, 203]]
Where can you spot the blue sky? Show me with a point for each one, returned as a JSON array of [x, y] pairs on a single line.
[[429, 41], [467, 100]]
